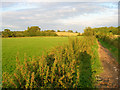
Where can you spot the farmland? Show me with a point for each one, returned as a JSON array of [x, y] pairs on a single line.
[[31, 46], [59, 61], [75, 53], [66, 34], [59, 45]]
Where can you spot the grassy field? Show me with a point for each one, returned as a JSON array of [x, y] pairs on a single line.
[[31, 46], [72, 65]]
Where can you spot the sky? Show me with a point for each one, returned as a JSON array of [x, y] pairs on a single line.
[[59, 15]]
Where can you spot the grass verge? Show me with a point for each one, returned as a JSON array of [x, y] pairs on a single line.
[[112, 49]]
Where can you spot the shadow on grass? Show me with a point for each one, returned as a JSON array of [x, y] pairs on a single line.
[[86, 71]]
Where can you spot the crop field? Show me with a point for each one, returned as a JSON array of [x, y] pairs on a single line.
[[31, 46], [66, 34], [74, 62], [59, 45]]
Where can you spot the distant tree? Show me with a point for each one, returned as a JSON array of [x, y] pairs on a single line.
[[58, 30], [6, 30], [50, 30], [28, 28], [13, 34], [33, 30], [88, 31], [70, 31], [76, 32], [7, 33]]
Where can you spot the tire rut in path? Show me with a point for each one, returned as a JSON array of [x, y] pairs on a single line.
[[109, 77]]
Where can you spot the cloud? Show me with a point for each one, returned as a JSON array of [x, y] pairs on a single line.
[[107, 18], [59, 1], [63, 16]]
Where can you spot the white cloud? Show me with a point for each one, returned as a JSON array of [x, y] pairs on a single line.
[[107, 18], [75, 16]]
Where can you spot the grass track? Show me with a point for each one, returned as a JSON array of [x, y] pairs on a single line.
[[112, 49]]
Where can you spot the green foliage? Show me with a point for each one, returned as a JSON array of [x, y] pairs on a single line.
[[112, 43], [31, 31], [58, 30], [88, 31], [102, 31], [50, 30], [35, 31], [76, 31], [107, 36], [7, 33], [7, 30], [70, 31], [70, 66]]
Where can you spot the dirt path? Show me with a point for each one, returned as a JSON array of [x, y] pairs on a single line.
[[109, 77]]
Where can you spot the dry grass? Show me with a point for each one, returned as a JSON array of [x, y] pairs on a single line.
[[66, 34]]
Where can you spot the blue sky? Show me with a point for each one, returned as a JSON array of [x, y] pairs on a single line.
[[59, 15]]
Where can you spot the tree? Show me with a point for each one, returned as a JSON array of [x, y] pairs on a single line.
[[6, 30], [50, 30], [70, 31], [76, 32], [58, 30], [7, 33], [88, 31], [33, 30]]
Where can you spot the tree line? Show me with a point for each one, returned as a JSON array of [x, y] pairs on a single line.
[[31, 31], [102, 31]]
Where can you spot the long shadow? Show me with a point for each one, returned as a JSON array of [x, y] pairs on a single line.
[[85, 70]]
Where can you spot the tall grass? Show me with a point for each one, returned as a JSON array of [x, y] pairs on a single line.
[[112, 43], [70, 66]]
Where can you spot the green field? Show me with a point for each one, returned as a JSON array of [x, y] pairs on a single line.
[[72, 65], [33, 46]]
